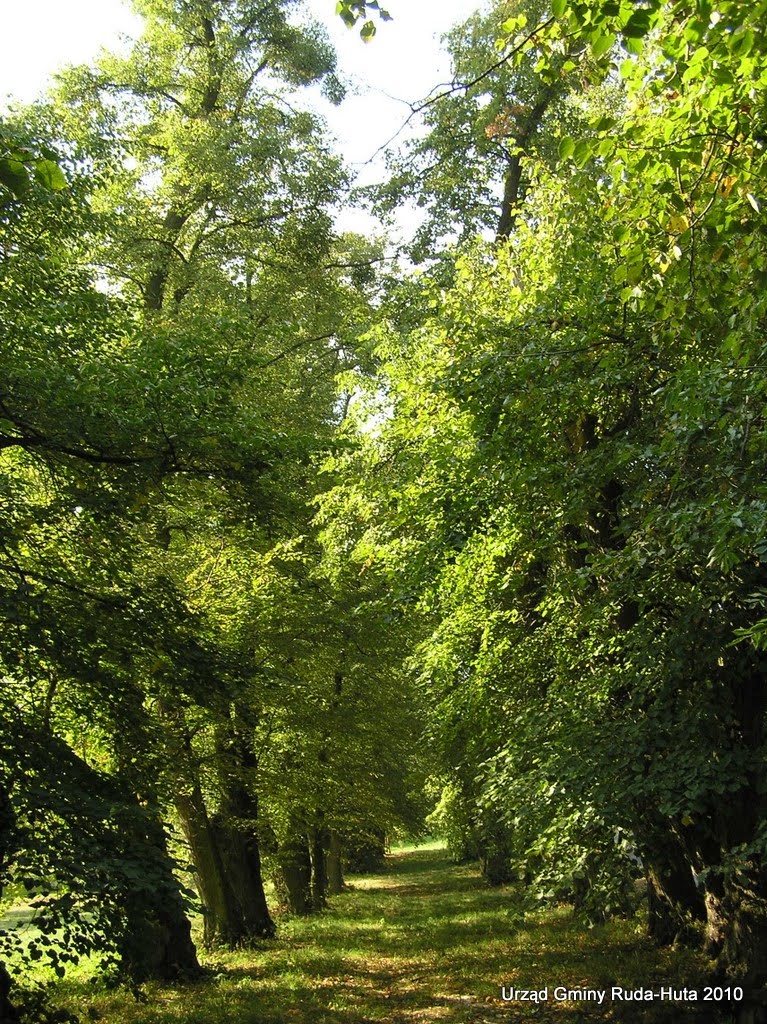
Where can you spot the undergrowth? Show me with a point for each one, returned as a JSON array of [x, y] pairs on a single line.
[[425, 941]]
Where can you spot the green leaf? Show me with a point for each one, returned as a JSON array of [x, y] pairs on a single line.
[[566, 147], [14, 175], [627, 68], [638, 25], [347, 15], [512, 25], [603, 43], [583, 151], [558, 8], [367, 31], [50, 175], [606, 146]]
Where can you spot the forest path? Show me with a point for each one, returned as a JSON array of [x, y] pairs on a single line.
[[425, 941]]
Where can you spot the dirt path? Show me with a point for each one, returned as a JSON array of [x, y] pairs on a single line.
[[426, 941]]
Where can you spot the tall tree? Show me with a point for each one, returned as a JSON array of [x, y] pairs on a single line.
[[173, 331], [566, 474], [486, 132]]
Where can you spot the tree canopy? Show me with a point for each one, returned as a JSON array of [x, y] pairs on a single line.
[[297, 555]]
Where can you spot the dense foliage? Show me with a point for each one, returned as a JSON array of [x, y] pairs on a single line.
[[566, 481], [283, 540]]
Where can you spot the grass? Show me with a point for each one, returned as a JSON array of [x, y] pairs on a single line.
[[426, 941]]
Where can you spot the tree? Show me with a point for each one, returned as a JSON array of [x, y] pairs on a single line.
[[489, 130], [565, 476], [198, 376], [180, 429]]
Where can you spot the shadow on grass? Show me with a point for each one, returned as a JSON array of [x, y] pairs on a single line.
[[424, 941]]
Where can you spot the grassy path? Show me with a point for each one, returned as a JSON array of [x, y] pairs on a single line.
[[426, 941]]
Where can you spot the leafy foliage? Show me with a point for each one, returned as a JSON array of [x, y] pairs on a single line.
[[357, 10]]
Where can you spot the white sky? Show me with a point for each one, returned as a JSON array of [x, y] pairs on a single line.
[[402, 61]]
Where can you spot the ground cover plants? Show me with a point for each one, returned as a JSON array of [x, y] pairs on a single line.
[[307, 543], [423, 940]]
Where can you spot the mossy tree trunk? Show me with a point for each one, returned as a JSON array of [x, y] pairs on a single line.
[[295, 863], [222, 925], [335, 871]]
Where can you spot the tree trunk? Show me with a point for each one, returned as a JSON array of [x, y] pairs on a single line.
[[736, 934], [495, 854], [512, 186], [673, 900], [319, 846], [157, 939], [242, 865], [222, 925], [8, 1014], [157, 943], [335, 873], [296, 869], [235, 831]]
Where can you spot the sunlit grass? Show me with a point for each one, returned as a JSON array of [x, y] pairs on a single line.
[[424, 941]]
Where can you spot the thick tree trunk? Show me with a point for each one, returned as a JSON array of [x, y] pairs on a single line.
[[319, 846], [177, 955], [736, 935], [157, 940], [8, 1013], [335, 872], [673, 900], [157, 943], [242, 864], [235, 830], [736, 901], [223, 925], [296, 869]]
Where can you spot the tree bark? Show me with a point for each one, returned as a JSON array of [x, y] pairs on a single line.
[[319, 846], [335, 872], [242, 864], [736, 935], [221, 920], [296, 869], [157, 943], [8, 1013], [674, 901], [512, 186], [235, 830]]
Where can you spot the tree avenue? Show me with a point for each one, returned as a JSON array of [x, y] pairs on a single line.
[[570, 474], [297, 555], [176, 314]]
